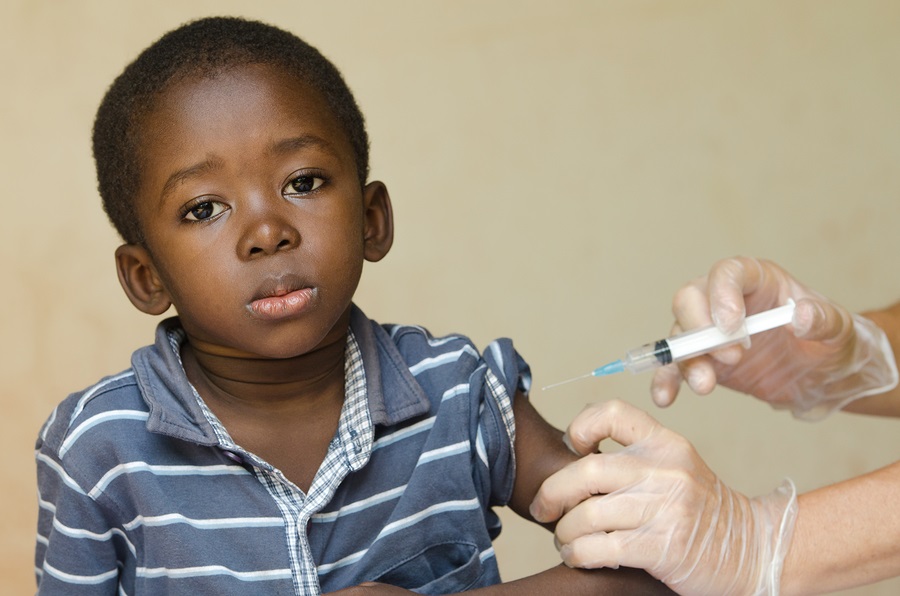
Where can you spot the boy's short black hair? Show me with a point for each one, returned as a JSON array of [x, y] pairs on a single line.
[[203, 48]]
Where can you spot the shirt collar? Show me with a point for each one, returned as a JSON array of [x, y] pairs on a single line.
[[175, 411], [386, 368]]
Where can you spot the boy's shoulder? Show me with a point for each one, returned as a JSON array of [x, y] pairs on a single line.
[[420, 350], [113, 396], [417, 336]]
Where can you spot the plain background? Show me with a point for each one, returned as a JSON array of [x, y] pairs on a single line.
[[558, 169]]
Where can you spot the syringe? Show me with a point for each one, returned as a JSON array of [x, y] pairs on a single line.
[[689, 344]]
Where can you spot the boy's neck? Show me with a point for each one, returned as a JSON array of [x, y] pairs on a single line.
[[267, 384], [285, 411]]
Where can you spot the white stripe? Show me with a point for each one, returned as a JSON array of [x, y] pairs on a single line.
[[455, 391], [355, 507], [46, 505], [90, 393], [480, 448], [98, 419], [398, 328], [426, 513], [204, 524], [161, 470], [85, 580], [439, 341], [498, 356], [53, 465], [207, 570], [442, 452], [48, 424], [87, 534], [404, 433], [362, 504], [348, 560], [355, 557], [429, 363], [80, 532]]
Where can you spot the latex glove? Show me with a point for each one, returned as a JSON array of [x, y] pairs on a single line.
[[825, 359], [660, 508]]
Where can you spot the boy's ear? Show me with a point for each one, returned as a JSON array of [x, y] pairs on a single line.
[[139, 279], [379, 221]]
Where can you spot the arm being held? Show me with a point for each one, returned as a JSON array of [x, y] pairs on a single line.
[[540, 452]]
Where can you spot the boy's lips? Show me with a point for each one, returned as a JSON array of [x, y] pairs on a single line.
[[284, 297]]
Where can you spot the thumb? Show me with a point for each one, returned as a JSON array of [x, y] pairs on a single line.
[[819, 320]]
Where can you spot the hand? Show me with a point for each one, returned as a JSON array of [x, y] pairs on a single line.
[[822, 361], [655, 505]]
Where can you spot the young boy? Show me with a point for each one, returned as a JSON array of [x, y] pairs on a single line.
[[274, 440]]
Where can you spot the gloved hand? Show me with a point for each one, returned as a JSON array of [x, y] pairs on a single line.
[[660, 508], [825, 359]]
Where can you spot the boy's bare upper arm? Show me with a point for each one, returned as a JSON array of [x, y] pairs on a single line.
[[540, 452]]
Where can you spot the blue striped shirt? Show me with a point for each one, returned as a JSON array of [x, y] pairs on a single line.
[[142, 490]]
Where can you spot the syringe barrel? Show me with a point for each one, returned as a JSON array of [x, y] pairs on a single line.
[[701, 341], [648, 356], [680, 347]]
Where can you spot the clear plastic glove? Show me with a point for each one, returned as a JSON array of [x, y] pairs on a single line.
[[821, 362], [657, 506]]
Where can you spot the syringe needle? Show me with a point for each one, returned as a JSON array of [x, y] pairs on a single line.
[[566, 381]]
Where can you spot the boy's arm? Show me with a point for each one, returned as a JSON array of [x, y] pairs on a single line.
[[540, 452], [557, 580]]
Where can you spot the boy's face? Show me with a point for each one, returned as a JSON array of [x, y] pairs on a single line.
[[255, 223]]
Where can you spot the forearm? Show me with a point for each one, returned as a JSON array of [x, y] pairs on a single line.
[[884, 404], [846, 535], [569, 581]]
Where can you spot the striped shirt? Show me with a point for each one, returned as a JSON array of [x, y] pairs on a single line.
[[142, 490]]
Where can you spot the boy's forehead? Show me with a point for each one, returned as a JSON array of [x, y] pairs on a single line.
[[242, 100]]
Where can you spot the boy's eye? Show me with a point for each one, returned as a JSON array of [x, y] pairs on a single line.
[[204, 210], [303, 184]]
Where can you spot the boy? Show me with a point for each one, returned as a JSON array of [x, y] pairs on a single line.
[[274, 440]]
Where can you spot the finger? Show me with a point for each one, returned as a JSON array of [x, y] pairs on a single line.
[[700, 374], [729, 280], [613, 419], [582, 479], [690, 305], [626, 548], [621, 510], [664, 385]]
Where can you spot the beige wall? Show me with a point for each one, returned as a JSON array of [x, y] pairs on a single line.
[[558, 169]]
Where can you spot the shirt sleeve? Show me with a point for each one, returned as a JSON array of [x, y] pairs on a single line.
[[496, 384], [76, 546]]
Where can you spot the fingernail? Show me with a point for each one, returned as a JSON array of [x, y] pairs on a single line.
[[568, 443], [660, 397]]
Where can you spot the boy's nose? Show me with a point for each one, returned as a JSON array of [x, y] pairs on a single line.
[[267, 235]]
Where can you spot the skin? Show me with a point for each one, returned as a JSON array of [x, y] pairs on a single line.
[[256, 232]]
